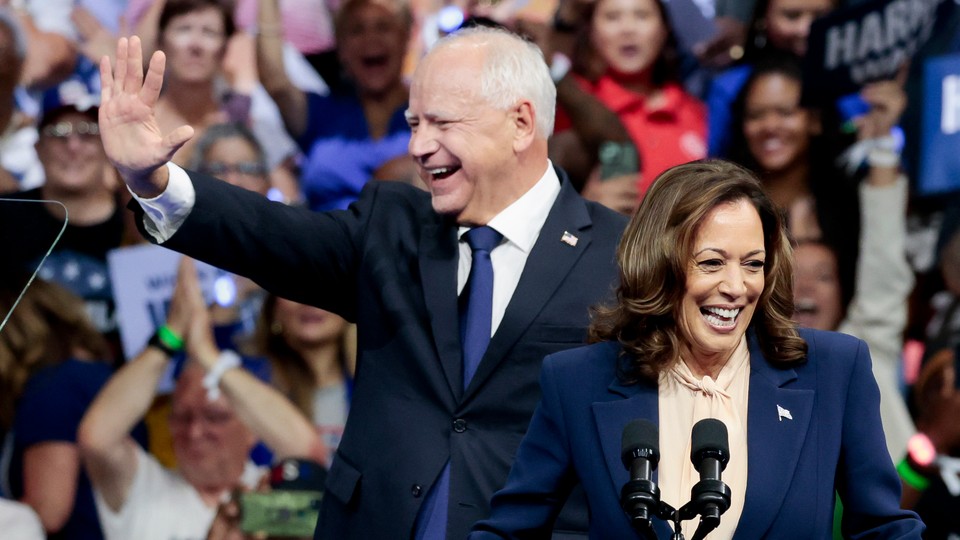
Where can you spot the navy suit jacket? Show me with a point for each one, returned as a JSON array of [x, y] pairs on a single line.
[[833, 443], [389, 263]]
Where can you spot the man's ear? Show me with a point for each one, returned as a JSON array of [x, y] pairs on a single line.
[[523, 116]]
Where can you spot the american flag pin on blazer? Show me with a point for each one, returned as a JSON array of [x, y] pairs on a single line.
[[783, 413], [569, 239]]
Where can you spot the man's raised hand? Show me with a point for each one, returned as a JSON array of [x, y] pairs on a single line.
[[128, 126]]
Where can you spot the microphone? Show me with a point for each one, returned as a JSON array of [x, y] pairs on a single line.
[[710, 452], [640, 453]]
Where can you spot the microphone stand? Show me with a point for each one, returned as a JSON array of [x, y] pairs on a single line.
[[710, 499], [640, 497], [667, 512]]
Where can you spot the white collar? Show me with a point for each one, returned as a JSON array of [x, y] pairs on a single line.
[[520, 223]]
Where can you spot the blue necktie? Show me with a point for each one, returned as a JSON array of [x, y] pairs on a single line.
[[476, 314], [476, 310]]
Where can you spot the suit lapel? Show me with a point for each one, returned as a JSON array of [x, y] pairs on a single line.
[[629, 403], [547, 265], [438, 266], [774, 441], [640, 401]]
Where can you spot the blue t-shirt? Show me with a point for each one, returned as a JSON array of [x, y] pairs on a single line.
[[50, 409], [724, 90], [341, 156]]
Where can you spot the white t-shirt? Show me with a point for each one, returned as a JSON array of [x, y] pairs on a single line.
[[161, 505], [18, 520]]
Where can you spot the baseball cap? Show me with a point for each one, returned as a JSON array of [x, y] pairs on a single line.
[[80, 93]]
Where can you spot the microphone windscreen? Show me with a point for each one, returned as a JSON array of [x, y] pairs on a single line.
[[709, 435], [641, 438]]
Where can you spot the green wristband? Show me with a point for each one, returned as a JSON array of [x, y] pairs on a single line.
[[169, 338], [911, 477]]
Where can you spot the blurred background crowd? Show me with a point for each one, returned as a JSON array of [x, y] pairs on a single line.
[[303, 101]]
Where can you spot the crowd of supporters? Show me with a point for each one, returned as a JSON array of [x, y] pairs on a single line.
[[303, 102]]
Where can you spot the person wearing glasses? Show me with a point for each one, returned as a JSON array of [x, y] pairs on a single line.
[[215, 419], [87, 209], [231, 152]]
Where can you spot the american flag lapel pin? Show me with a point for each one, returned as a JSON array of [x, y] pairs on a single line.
[[783, 413], [569, 239]]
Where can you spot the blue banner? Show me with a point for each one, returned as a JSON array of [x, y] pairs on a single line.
[[940, 139]]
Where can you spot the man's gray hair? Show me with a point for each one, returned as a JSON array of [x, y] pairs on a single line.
[[513, 69]]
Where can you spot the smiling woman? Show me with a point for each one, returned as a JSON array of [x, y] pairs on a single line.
[[633, 43], [715, 252], [724, 282], [701, 330], [794, 151]]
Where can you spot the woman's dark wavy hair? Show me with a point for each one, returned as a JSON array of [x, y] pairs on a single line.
[[175, 8], [655, 254]]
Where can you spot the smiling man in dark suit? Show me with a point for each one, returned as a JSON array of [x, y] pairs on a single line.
[[451, 332]]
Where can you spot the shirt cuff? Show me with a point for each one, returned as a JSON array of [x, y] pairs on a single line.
[[164, 214]]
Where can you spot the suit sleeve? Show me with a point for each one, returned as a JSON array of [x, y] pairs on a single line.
[[867, 482], [293, 252], [541, 477]]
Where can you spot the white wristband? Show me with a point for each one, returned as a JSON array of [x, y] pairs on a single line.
[[879, 157], [884, 152], [879, 152], [211, 381]]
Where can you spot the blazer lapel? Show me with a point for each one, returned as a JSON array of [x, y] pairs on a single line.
[[634, 401], [547, 265], [640, 401], [778, 422], [438, 266]]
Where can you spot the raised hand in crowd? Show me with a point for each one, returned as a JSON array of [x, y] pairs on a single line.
[[260, 407], [887, 101], [95, 40], [239, 63]]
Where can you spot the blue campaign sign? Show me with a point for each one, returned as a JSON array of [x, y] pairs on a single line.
[[940, 139]]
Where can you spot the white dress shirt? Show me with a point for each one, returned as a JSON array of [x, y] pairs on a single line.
[[520, 225]]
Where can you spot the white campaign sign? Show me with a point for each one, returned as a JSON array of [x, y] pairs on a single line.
[[143, 278]]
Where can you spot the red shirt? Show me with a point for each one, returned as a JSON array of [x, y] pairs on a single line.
[[672, 134]]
